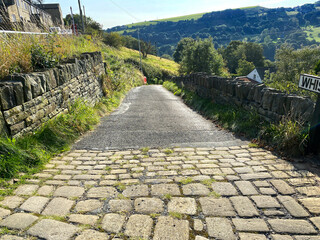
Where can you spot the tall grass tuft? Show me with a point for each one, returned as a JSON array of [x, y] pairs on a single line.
[[21, 53]]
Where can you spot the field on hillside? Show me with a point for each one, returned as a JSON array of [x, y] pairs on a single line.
[[313, 33], [154, 61], [173, 19]]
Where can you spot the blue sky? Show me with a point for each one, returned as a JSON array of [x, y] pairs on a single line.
[[110, 15]]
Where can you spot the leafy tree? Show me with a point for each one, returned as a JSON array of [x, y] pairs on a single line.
[[185, 42], [253, 52], [248, 51], [230, 56], [244, 67], [201, 56], [291, 63], [92, 27]]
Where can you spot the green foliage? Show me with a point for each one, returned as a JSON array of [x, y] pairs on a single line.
[[41, 58], [167, 56], [113, 39], [244, 67], [201, 56], [30, 151], [182, 45], [249, 55], [176, 215], [269, 27], [92, 27], [290, 64], [289, 137], [186, 180]]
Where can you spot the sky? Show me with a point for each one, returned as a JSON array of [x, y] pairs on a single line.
[[111, 13]]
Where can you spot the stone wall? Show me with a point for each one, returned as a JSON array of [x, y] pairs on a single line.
[[28, 100], [271, 104]]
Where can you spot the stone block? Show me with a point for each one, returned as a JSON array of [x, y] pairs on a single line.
[[171, 229], [52, 229], [6, 96], [3, 125]]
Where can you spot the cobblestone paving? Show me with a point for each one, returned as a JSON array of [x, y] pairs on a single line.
[[192, 193]]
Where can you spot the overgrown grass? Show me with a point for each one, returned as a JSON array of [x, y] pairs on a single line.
[[20, 53], [154, 68], [288, 137]]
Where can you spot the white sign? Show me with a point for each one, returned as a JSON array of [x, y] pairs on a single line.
[[310, 83]]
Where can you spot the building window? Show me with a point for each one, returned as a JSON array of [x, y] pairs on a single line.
[[254, 77], [14, 19]]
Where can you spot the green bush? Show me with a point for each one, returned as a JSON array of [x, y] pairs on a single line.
[[113, 39], [41, 58]]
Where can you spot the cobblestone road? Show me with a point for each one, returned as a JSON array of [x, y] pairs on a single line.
[[192, 193]]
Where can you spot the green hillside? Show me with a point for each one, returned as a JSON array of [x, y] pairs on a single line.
[[298, 26], [173, 19]]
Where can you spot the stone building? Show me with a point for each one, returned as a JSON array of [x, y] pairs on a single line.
[[26, 16]]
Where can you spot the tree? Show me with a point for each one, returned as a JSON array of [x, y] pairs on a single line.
[[92, 27], [230, 56], [291, 63], [177, 55], [253, 52], [201, 56], [147, 48], [244, 67]]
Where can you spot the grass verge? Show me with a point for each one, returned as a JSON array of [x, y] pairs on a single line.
[[287, 137]]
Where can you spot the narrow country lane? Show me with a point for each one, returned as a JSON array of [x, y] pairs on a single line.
[[207, 186], [151, 116]]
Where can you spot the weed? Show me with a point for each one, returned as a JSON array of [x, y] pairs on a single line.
[[186, 180], [145, 150], [253, 145], [208, 182], [167, 196], [58, 218], [120, 186], [168, 151], [214, 194], [108, 169], [176, 215], [155, 215]]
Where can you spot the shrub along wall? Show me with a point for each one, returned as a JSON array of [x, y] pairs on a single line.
[[28, 100], [271, 104]]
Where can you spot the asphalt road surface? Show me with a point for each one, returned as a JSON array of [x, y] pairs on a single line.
[[151, 116]]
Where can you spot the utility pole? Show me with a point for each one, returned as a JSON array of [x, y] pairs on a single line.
[[81, 16], [73, 25], [85, 17], [140, 51]]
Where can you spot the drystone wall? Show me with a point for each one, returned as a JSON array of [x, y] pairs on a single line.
[[271, 104], [28, 100]]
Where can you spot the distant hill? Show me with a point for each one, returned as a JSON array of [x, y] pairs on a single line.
[[298, 26]]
